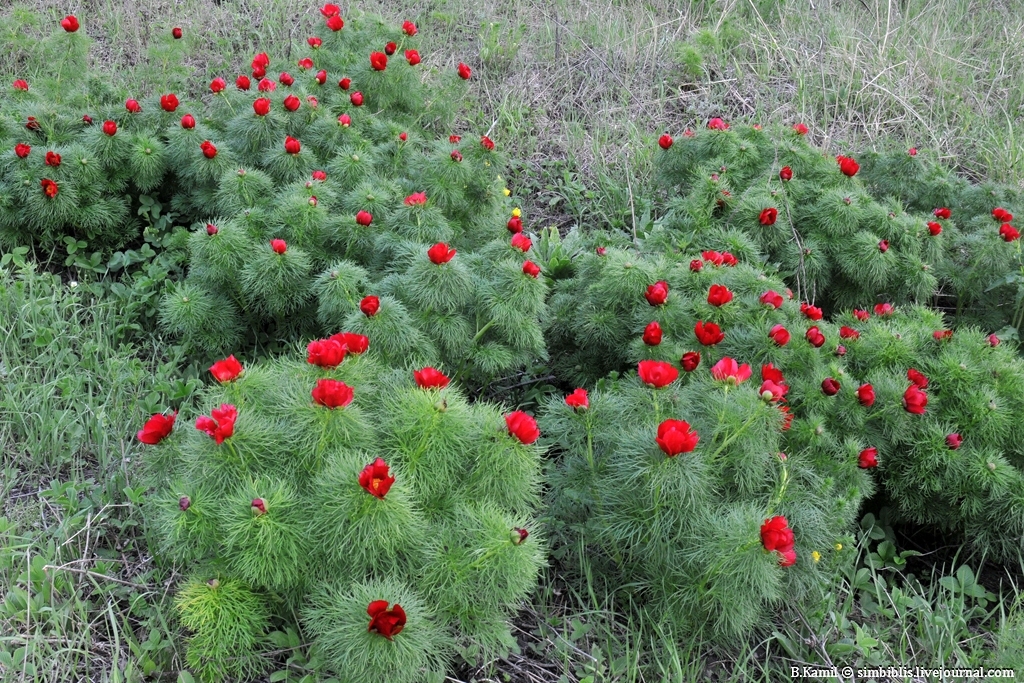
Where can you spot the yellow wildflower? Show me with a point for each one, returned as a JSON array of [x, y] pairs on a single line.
[[516, 212], [816, 556]]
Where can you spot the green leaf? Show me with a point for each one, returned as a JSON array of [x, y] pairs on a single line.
[[185, 677]]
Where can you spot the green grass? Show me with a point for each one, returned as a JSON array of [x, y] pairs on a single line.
[[80, 597], [575, 91]]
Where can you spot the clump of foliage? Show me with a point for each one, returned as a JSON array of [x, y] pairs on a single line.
[[392, 516]]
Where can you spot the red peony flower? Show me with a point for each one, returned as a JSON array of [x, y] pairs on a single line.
[[779, 335], [942, 335], [430, 378], [217, 85], [413, 57], [943, 213], [934, 228], [211, 229], [408, 28], [325, 353], [369, 305], [176, 32], [390, 48], [708, 334], [320, 175], [953, 441], [330, 10], [830, 386], [919, 380], [156, 429], [578, 400], [656, 373], [292, 146], [713, 257], [49, 187], [440, 253], [652, 333], [1008, 232], [364, 218], [286, 79], [403, 136], [335, 23], [868, 458], [522, 426], [883, 246], [866, 395], [993, 340], [69, 23], [188, 122], [332, 393], [769, 216], [260, 63], [292, 103], [912, 151], [521, 242], [226, 370], [770, 373], [344, 120], [222, 425], [20, 84], [690, 361], [109, 128], [600, 251], [776, 536], [815, 337], [32, 124], [354, 343], [314, 42], [914, 400], [665, 141], [861, 314], [133, 106], [378, 61], [515, 224], [1002, 215], [848, 333], [848, 166], [531, 268], [719, 295], [787, 417], [657, 293], [416, 199], [261, 106], [22, 150], [696, 265], [464, 71], [209, 150], [718, 124], [772, 392], [266, 85], [487, 143], [885, 309], [376, 479], [52, 159], [729, 371], [786, 173], [345, 83], [771, 298], [305, 63], [811, 312], [384, 621], [258, 507], [357, 99], [675, 437], [800, 129], [456, 155]]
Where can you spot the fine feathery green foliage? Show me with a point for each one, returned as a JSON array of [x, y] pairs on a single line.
[[294, 510]]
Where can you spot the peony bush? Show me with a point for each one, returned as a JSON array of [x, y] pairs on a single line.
[[907, 233], [391, 517]]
